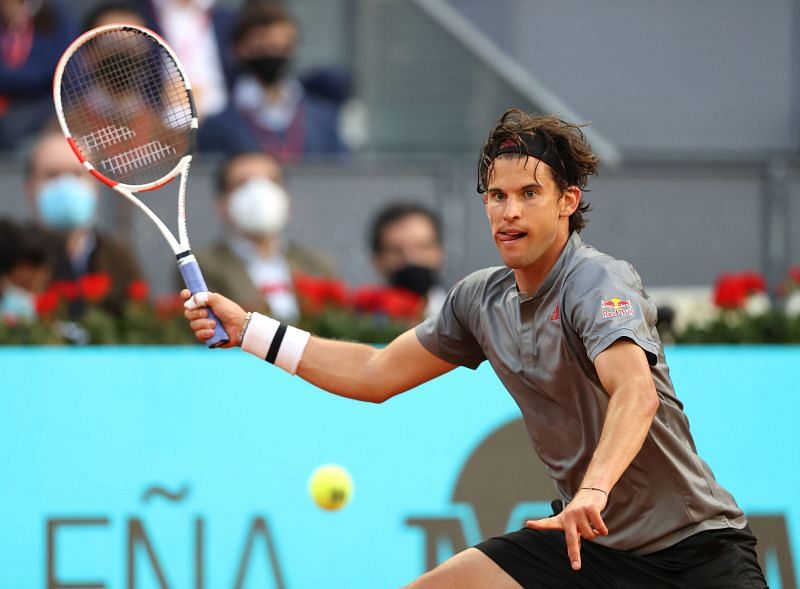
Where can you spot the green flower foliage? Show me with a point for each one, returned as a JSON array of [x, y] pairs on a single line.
[[735, 326], [140, 323]]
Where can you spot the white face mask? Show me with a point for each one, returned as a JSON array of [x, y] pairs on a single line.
[[259, 207]]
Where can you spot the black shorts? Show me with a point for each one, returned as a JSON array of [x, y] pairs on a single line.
[[724, 559]]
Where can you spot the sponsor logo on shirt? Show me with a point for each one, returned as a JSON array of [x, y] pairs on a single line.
[[556, 314], [616, 308]]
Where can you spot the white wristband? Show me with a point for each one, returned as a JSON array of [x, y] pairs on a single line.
[[275, 342]]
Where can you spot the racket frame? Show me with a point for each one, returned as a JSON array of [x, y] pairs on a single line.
[[187, 263], [180, 246]]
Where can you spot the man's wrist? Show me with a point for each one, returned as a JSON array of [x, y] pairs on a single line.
[[598, 489], [248, 316], [275, 342]]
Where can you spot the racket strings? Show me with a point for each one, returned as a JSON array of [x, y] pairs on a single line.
[[126, 105], [85, 71]]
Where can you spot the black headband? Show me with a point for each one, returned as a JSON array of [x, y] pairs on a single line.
[[538, 145]]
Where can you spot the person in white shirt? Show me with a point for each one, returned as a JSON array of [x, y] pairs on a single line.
[[254, 261], [198, 33]]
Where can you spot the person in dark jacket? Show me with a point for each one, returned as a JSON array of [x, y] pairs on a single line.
[[63, 197], [33, 35], [269, 107]]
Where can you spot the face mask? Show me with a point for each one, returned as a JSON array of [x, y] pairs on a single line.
[[418, 279], [67, 202], [17, 304], [259, 207], [267, 68]]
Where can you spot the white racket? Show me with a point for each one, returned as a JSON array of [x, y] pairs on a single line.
[[126, 108]]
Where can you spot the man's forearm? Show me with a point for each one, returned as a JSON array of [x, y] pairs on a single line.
[[344, 368], [366, 373], [628, 418]]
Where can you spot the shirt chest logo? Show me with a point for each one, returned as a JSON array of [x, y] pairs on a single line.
[[556, 314], [616, 308]]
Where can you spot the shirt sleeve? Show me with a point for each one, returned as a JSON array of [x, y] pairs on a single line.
[[608, 303], [449, 333]]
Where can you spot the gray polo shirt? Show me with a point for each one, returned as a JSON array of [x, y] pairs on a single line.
[[543, 349]]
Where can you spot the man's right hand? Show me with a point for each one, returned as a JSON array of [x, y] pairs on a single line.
[[229, 313], [580, 519]]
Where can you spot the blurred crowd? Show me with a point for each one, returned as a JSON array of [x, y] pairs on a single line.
[[249, 96], [60, 249], [258, 114]]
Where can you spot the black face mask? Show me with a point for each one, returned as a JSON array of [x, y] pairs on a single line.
[[267, 68], [418, 279]]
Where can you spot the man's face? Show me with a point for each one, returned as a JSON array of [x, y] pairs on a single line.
[[527, 211], [241, 170], [249, 166], [50, 159], [409, 240], [30, 277], [279, 39]]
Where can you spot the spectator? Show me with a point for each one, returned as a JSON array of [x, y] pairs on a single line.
[[33, 35], [114, 12], [406, 243], [285, 120], [254, 261], [64, 199], [25, 268], [200, 34]]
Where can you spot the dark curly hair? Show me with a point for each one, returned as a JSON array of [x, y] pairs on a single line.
[[260, 13], [571, 157]]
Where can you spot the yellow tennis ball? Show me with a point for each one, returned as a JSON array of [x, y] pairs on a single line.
[[330, 486]]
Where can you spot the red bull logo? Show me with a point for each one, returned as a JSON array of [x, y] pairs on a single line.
[[616, 307]]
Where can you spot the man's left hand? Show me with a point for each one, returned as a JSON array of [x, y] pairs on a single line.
[[580, 519]]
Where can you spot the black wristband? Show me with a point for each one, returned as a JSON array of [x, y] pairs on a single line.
[[275, 346]]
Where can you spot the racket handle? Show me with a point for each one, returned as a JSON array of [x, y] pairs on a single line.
[[193, 277]]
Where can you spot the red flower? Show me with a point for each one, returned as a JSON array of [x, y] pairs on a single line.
[[399, 303], [794, 274], [138, 290], [169, 306], [47, 303], [94, 287], [318, 292], [731, 290], [336, 292], [65, 289], [754, 282], [310, 290], [368, 298]]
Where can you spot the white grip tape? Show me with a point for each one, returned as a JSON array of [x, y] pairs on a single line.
[[260, 337]]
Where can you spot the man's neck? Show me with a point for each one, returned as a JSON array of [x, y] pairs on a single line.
[[267, 246], [530, 278], [263, 247], [273, 92], [14, 15]]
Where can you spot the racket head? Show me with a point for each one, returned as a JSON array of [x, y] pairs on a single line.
[[125, 105]]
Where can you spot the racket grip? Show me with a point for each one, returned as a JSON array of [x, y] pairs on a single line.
[[193, 277]]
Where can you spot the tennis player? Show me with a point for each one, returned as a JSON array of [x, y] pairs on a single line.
[[571, 334]]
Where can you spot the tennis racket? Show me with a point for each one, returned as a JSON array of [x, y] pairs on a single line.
[[125, 105]]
